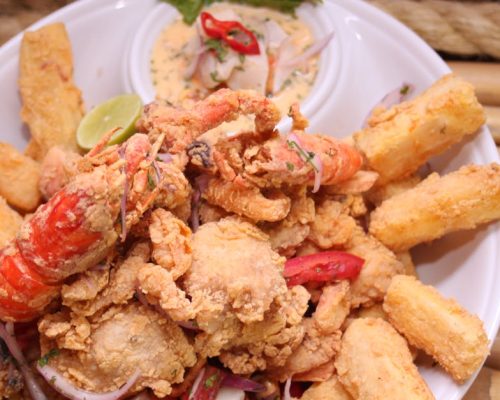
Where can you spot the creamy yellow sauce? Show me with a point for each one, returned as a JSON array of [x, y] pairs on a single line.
[[169, 59]]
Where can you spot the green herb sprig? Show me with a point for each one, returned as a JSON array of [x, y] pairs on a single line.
[[190, 9]]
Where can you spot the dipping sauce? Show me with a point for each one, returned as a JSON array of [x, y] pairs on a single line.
[[171, 57]]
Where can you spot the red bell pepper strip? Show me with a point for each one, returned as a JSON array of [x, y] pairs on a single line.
[[322, 267], [233, 33]]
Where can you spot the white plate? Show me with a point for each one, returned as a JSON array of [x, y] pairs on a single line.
[[378, 53]]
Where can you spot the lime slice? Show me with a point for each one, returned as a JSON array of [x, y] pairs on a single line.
[[119, 112]]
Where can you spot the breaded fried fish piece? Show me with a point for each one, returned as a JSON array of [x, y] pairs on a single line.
[[401, 139], [52, 104], [10, 221], [19, 178], [439, 326], [460, 200], [374, 363]]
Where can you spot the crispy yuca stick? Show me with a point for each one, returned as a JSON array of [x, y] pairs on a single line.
[[438, 205], [401, 139], [374, 363], [52, 104], [439, 326], [330, 389]]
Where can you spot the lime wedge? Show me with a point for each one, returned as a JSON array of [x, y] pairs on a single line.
[[119, 112]]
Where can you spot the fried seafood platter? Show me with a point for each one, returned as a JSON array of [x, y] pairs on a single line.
[[258, 265]]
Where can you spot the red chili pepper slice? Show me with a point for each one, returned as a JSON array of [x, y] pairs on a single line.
[[233, 33], [322, 267]]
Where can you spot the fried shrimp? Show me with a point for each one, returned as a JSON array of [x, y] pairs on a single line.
[[182, 126]]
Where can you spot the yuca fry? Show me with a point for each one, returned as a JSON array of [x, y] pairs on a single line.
[[438, 205], [331, 389], [439, 326], [10, 221], [374, 363], [52, 104], [379, 194], [401, 139], [406, 260], [376, 274], [19, 178]]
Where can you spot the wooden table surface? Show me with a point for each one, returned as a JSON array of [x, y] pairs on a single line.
[[15, 15]]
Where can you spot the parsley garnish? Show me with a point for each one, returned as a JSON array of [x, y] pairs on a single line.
[[218, 47], [214, 76], [307, 157], [211, 381], [190, 9], [44, 360]]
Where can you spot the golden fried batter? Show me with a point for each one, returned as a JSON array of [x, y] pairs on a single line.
[[332, 225], [114, 345], [401, 139], [171, 239], [439, 326], [376, 274], [10, 221], [460, 200], [19, 179], [374, 363], [52, 104]]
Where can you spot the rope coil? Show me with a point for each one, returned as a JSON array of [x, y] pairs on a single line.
[[465, 28]]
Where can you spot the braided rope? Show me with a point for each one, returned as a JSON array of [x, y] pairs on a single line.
[[464, 28]]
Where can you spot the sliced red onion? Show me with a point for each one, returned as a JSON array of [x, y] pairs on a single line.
[[123, 201], [192, 325], [314, 49], [286, 390], [195, 207], [315, 160], [7, 334], [196, 384], [157, 172], [198, 48], [392, 98], [275, 35], [237, 382], [165, 157], [66, 388]]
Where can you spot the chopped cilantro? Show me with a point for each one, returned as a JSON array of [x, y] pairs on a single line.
[[307, 157], [290, 166], [151, 182], [44, 360], [242, 58], [214, 76], [218, 47], [405, 89]]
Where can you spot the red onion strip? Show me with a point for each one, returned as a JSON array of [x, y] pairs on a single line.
[[200, 48], [196, 384], [315, 160], [66, 388], [392, 98], [286, 390], [315, 48], [237, 382], [165, 157], [7, 334], [123, 201]]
